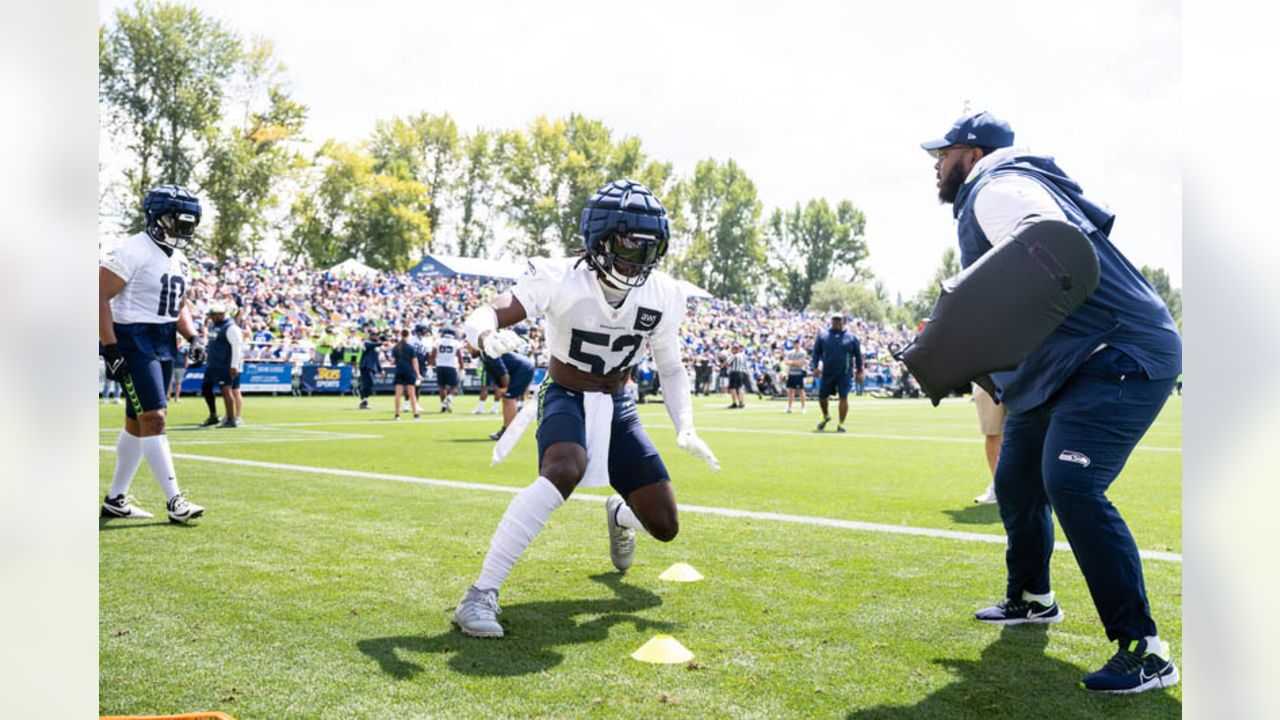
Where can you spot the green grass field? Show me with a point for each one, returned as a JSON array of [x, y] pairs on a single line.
[[305, 592]]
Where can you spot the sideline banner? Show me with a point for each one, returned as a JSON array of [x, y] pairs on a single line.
[[333, 379], [256, 377]]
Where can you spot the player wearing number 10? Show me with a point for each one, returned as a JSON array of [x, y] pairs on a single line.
[[600, 309], [142, 285]]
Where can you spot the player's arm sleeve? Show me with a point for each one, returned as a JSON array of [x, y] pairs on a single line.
[[857, 354], [817, 353], [537, 285], [1008, 203], [668, 360], [235, 336], [116, 258]]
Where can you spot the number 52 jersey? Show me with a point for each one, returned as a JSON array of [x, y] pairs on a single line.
[[155, 282], [584, 331]]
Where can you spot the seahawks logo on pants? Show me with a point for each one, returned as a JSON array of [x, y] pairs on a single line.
[[1072, 456]]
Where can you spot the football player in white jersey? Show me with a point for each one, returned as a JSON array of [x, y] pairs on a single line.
[[142, 286], [600, 309], [445, 356]]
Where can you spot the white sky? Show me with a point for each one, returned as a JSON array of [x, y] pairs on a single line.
[[813, 99]]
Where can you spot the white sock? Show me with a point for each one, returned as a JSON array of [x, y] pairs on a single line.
[[155, 449], [1154, 645], [524, 519], [626, 517], [1046, 599], [128, 457]]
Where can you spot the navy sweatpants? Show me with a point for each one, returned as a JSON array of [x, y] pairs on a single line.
[[1064, 455]]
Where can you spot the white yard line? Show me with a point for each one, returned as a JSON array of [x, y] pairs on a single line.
[[724, 512], [668, 426]]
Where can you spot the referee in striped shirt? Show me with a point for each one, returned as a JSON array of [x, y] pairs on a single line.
[[738, 378]]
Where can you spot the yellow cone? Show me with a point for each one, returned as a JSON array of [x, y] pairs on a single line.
[[663, 649], [681, 572]]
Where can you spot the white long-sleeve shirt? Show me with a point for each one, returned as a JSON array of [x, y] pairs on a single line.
[[1008, 202], [235, 336]]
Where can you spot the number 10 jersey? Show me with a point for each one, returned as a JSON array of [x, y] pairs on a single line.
[[155, 282], [584, 331]]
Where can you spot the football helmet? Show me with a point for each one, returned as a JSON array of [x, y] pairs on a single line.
[[172, 214], [421, 330], [625, 232]]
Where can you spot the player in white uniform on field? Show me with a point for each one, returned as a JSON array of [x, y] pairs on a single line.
[[600, 309], [142, 286], [446, 357]]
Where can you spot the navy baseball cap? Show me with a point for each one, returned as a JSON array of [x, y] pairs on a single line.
[[981, 129]]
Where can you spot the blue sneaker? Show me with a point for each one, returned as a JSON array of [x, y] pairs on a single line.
[[1133, 670], [1017, 612]]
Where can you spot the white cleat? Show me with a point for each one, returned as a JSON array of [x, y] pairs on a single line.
[[182, 510], [988, 497], [121, 506], [477, 614], [622, 540], [479, 409]]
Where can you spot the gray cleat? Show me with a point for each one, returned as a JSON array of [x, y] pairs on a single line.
[[622, 540], [477, 614]]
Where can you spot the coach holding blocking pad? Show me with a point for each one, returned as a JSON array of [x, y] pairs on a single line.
[[1077, 405]]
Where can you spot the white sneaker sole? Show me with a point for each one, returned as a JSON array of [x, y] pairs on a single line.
[[184, 519], [477, 633], [113, 514], [1156, 683], [1048, 620]]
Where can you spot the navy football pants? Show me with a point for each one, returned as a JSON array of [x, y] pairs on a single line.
[[1064, 455]]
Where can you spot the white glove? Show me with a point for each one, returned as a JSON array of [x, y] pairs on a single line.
[[499, 343], [692, 444]]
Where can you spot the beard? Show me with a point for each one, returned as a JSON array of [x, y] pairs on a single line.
[[950, 186]]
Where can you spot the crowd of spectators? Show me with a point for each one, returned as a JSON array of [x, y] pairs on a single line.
[[296, 314]]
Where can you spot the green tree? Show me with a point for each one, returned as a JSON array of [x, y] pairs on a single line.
[[1171, 296], [476, 195], [161, 74], [856, 299], [425, 148], [325, 211], [393, 225], [813, 243], [532, 183], [717, 232], [922, 305], [248, 162], [346, 210]]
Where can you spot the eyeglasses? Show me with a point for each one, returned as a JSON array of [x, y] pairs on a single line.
[[941, 153]]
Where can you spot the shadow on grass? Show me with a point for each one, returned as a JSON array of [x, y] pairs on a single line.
[[976, 515], [484, 439], [533, 630], [123, 524], [1014, 678]]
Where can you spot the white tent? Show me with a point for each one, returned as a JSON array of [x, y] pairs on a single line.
[[351, 266]]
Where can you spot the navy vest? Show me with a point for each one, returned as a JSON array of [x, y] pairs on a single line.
[[219, 346], [1124, 312]]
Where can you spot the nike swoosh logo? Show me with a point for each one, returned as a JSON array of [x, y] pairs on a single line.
[[1042, 613]]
